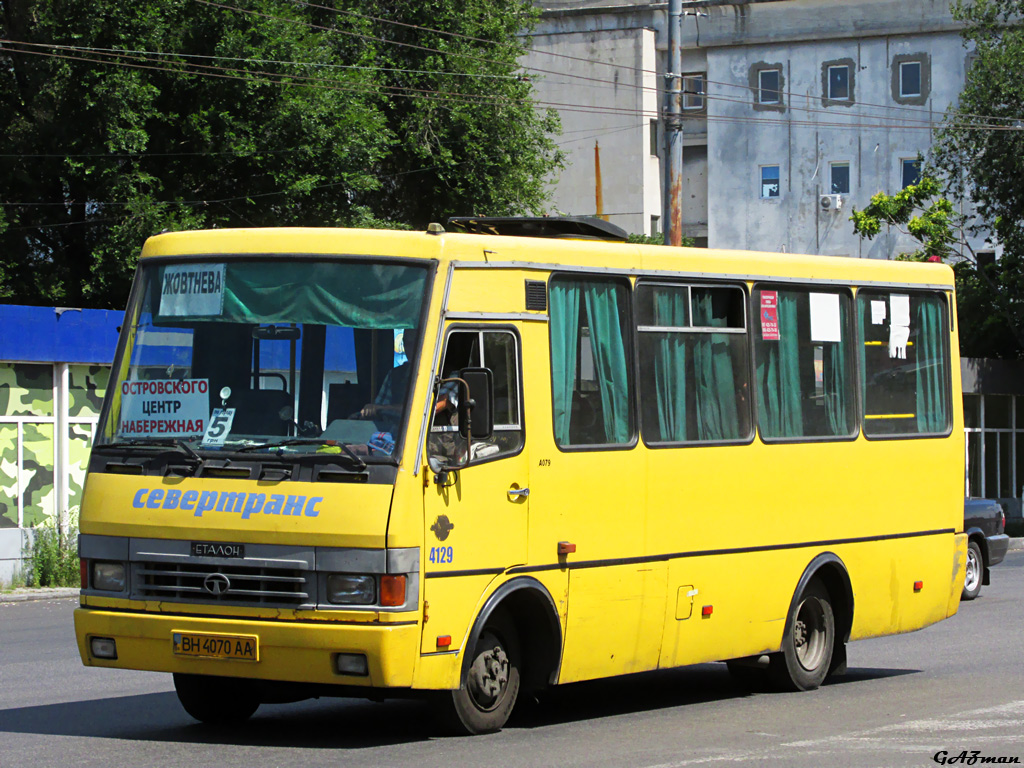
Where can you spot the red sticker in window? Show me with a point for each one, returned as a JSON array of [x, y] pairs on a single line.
[[770, 315]]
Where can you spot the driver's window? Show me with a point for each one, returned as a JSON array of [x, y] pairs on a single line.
[[497, 350]]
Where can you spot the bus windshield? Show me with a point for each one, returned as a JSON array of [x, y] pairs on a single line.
[[268, 354]]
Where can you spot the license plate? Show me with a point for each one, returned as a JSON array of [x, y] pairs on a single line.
[[239, 647]]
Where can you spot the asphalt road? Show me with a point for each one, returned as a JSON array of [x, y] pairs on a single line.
[[955, 687]]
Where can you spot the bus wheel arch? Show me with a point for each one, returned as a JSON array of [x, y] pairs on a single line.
[[531, 610], [825, 577], [514, 645]]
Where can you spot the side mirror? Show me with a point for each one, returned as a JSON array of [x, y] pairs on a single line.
[[476, 408]]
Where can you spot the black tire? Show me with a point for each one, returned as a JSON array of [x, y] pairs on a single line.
[[217, 700], [807, 643], [484, 703], [975, 572]]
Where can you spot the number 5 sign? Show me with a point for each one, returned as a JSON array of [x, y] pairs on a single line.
[[220, 426]]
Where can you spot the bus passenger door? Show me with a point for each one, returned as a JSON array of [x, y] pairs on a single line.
[[476, 520]]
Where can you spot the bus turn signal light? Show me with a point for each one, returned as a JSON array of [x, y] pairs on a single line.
[[392, 589], [84, 567], [566, 548]]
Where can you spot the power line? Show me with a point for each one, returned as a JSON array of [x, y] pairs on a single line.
[[638, 70], [482, 100]]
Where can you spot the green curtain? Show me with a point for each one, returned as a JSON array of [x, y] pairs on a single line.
[[835, 389], [355, 294], [564, 298], [930, 371], [715, 382], [608, 347], [778, 376], [670, 305]]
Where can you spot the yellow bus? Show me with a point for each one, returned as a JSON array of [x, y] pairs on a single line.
[[471, 464]]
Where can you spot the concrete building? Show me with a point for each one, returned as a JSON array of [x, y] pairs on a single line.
[[795, 111]]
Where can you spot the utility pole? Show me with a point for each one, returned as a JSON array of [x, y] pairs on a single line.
[[674, 128]]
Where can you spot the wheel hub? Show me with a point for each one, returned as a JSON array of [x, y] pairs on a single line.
[[488, 676], [809, 634], [800, 634]]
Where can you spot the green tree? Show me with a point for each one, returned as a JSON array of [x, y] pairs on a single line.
[[979, 153], [120, 120], [986, 303]]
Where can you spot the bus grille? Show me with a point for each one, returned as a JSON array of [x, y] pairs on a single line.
[[234, 584]]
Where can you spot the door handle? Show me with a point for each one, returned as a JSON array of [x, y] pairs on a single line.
[[518, 493]]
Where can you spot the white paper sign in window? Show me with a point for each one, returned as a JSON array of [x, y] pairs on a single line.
[[826, 324], [877, 312], [899, 325], [164, 408], [192, 290]]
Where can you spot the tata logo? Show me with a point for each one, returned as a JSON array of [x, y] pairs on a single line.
[[216, 584]]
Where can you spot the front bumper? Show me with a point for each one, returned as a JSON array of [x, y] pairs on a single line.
[[288, 651]]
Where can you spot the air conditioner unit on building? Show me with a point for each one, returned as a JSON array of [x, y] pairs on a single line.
[[830, 202]]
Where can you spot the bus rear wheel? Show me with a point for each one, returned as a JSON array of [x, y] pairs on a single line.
[[484, 703], [807, 644], [220, 701]]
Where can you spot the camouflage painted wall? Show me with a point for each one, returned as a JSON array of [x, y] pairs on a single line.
[[85, 398], [26, 392]]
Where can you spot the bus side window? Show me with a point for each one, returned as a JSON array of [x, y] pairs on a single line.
[[497, 350], [694, 363], [904, 352], [591, 373], [804, 363]]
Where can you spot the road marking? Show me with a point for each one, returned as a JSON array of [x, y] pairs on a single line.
[[923, 736]]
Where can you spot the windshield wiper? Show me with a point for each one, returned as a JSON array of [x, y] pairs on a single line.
[[176, 444], [360, 464]]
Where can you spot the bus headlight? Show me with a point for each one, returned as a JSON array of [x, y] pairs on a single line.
[[349, 589], [109, 577]]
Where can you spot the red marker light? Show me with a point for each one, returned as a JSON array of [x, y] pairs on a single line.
[[707, 610], [84, 568], [566, 548], [918, 586], [443, 641]]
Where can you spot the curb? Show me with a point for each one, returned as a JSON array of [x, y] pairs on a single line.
[[43, 593]]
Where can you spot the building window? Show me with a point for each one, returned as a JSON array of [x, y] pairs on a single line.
[[769, 181], [654, 136], [769, 86], [910, 79], [839, 177], [839, 83], [693, 91], [910, 172]]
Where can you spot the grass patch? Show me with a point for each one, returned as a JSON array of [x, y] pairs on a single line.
[[53, 555]]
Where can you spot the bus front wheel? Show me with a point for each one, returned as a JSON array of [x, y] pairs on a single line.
[[216, 700], [807, 644], [485, 701]]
